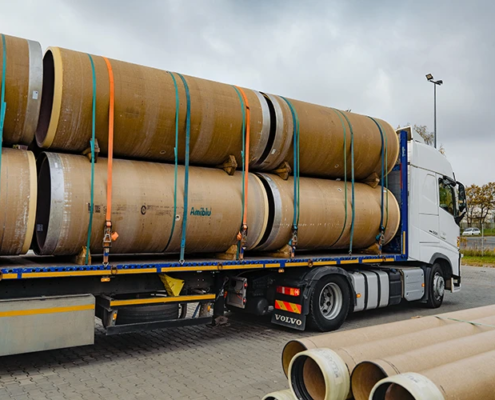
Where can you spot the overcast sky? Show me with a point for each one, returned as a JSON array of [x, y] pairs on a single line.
[[368, 56]]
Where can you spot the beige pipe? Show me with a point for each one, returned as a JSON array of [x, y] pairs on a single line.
[[354, 354], [322, 142], [368, 373], [145, 112], [17, 201], [142, 207], [336, 340], [23, 86], [322, 215], [280, 395], [470, 378]]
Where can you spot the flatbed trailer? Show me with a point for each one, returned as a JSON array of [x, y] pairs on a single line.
[[51, 302]]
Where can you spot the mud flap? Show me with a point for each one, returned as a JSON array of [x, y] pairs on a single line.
[[289, 319]]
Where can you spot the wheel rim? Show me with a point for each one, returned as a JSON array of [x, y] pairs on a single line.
[[438, 286], [331, 300]]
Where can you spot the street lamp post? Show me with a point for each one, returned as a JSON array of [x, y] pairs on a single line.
[[429, 77]]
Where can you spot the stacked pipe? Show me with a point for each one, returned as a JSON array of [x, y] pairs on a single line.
[[446, 356], [20, 99], [343, 158]]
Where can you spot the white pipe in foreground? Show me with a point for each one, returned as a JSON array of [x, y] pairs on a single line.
[[280, 395], [319, 374]]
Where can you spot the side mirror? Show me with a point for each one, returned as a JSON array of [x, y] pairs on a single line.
[[459, 218], [462, 197]]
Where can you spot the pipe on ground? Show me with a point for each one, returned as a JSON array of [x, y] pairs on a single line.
[[23, 89], [18, 193], [368, 373], [336, 340], [280, 395], [320, 380], [466, 379], [142, 207], [324, 217]]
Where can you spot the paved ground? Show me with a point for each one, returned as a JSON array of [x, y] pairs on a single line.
[[241, 361]]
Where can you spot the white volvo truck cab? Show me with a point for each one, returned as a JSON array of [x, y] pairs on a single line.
[[437, 204]]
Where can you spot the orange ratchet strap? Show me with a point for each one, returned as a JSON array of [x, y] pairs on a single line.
[[244, 229], [108, 236]]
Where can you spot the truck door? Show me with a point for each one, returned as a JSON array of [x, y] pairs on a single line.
[[428, 210]]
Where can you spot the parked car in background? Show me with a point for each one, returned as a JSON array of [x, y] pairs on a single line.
[[471, 232]]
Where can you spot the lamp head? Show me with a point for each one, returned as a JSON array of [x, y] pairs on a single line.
[[429, 77]]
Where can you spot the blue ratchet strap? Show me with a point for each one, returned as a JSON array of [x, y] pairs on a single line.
[[352, 182], [186, 165], [295, 223], [3, 104], [176, 151], [384, 141], [92, 145], [243, 154]]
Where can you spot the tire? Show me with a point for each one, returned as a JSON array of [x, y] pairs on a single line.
[[436, 287], [329, 303], [147, 313]]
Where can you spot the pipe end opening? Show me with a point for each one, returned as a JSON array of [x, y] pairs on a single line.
[[307, 379], [48, 91], [290, 350], [364, 377]]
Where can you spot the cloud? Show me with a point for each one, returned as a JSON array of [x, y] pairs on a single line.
[[371, 57]]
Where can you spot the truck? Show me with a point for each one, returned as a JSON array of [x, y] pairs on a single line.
[[49, 303]]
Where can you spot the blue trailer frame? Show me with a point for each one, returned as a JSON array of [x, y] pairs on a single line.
[[46, 269]]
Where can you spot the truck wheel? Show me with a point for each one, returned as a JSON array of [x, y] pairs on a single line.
[[436, 287], [329, 303], [147, 313]]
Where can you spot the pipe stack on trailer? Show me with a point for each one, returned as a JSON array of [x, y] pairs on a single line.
[[441, 357], [20, 100], [132, 159]]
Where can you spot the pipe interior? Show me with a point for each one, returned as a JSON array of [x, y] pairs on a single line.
[[290, 350], [46, 96], [271, 218], [273, 130], [307, 379], [397, 392], [43, 202], [364, 378]]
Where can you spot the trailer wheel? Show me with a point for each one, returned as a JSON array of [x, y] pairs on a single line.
[[147, 313], [436, 287], [329, 303]]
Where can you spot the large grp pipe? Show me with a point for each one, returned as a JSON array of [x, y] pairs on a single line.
[[17, 201], [142, 207], [311, 379], [145, 121], [280, 395], [466, 379], [23, 87], [337, 340], [368, 373], [325, 133], [324, 218], [145, 106]]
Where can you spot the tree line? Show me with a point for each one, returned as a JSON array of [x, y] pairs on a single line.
[[480, 203]]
